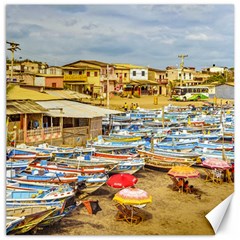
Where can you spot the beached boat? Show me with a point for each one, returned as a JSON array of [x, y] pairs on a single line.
[[115, 156], [101, 144], [12, 222], [31, 221], [168, 158], [42, 176], [121, 138], [88, 161], [61, 192], [17, 165], [129, 166], [64, 168], [216, 146], [165, 166], [173, 153]]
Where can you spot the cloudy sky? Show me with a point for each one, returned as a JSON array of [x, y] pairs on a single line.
[[149, 35]]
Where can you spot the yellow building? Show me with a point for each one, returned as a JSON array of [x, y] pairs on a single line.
[[82, 77], [159, 76], [122, 74], [90, 76]]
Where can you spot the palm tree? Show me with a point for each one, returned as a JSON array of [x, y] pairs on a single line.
[[171, 85]]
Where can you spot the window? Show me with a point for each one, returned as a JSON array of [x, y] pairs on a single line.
[[190, 76], [125, 75], [166, 75], [179, 74], [134, 73], [95, 74], [117, 74], [143, 73], [70, 72], [88, 74], [14, 118], [54, 85], [80, 72]]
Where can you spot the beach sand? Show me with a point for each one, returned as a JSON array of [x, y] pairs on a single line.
[[147, 102], [170, 213]]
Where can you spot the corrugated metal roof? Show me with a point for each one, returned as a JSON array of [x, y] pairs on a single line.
[[25, 106], [18, 93], [67, 94], [64, 108]]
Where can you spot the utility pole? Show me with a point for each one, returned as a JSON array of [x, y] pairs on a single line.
[[13, 48], [182, 56], [107, 88]]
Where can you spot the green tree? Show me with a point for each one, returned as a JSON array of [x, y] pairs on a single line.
[[216, 78]]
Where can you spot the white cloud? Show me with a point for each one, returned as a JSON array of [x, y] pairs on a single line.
[[198, 37]]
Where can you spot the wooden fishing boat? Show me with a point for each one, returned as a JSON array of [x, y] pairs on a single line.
[[12, 222], [12, 184], [165, 166], [45, 177], [30, 221], [18, 165], [129, 166], [161, 157], [88, 161], [63, 168], [216, 146], [61, 192], [27, 153], [174, 153], [114, 156], [17, 154]]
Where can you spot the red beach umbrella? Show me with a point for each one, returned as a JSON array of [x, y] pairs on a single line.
[[215, 163], [122, 180]]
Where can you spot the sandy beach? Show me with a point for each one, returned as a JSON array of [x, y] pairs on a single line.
[[170, 213]]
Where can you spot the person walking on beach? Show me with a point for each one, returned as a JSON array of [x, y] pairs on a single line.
[[131, 107], [125, 106]]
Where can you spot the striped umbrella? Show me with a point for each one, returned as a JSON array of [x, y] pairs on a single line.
[[216, 163], [132, 196], [183, 172]]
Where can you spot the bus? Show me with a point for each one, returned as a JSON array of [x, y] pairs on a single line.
[[190, 93]]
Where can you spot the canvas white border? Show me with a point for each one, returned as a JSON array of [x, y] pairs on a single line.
[[229, 228]]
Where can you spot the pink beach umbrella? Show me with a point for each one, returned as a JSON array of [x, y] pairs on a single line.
[[215, 163], [132, 196]]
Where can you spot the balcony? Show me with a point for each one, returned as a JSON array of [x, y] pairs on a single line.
[[163, 81], [111, 77]]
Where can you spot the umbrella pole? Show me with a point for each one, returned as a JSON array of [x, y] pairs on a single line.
[[132, 215]]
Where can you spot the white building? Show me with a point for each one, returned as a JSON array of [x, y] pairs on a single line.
[[138, 74]]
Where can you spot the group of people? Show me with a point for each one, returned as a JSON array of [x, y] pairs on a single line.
[[133, 106], [184, 185]]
